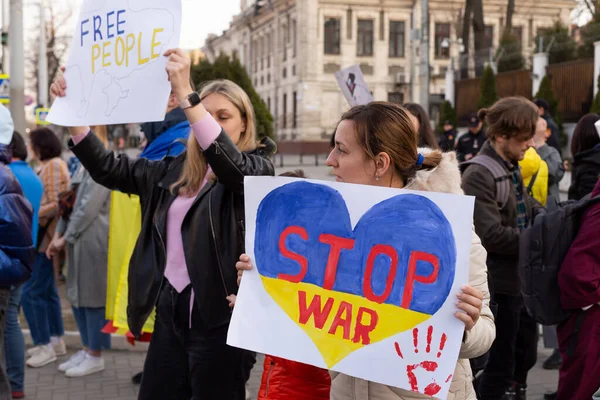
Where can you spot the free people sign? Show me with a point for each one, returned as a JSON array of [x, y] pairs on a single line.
[[116, 70], [356, 279]]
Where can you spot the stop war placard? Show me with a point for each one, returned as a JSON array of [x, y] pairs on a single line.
[[356, 279]]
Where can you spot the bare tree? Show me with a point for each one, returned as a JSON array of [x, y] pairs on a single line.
[[510, 10], [473, 17], [466, 30], [57, 45], [590, 5], [478, 35]]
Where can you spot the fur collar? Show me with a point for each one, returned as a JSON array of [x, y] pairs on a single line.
[[445, 178]]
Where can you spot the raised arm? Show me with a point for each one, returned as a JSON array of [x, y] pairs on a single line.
[[229, 164]]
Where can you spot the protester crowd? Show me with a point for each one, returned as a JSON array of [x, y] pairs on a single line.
[[190, 184]]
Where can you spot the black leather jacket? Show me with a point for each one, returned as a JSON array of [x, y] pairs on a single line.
[[213, 229]]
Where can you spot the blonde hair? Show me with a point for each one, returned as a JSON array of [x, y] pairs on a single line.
[[101, 133], [195, 167]]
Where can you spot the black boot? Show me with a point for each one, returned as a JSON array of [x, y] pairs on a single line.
[[137, 378], [554, 361], [510, 394], [550, 396], [521, 391]]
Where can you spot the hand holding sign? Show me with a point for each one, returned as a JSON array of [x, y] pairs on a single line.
[[345, 269], [116, 70]]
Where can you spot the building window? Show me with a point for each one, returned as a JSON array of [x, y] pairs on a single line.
[[397, 38], [262, 80], [269, 103], [284, 73], [442, 31], [349, 24], [284, 122], [488, 38], [294, 38], [269, 78], [332, 36], [293, 70], [381, 25], [396, 97], [517, 31], [294, 111], [364, 38], [255, 82]]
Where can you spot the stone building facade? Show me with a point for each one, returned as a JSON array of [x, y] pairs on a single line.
[[292, 48]]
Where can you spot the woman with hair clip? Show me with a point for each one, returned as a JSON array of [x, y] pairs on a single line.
[[83, 230], [376, 144], [192, 230]]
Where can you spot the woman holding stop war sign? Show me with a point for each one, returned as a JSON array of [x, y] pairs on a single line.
[[192, 223], [376, 144]]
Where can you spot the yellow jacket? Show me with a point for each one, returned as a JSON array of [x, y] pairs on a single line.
[[531, 164]]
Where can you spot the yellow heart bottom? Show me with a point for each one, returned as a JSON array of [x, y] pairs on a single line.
[[339, 323]]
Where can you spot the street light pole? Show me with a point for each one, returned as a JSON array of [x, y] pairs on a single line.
[[43, 62], [424, 75], [17, 65]]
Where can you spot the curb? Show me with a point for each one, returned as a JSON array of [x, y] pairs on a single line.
[[73, 341]]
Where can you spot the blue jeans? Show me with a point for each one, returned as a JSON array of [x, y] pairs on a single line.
[[4, 384], [90, 322], [14, 344], [41, 304]]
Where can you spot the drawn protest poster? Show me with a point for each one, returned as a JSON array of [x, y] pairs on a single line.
[[356, 279], [353, 86], [116, 69]]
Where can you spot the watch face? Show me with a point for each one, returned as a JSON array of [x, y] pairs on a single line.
[[194, 99]]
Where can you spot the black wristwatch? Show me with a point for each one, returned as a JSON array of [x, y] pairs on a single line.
[[192, 100]]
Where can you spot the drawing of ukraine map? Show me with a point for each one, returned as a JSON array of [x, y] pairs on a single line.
[[116, 70]]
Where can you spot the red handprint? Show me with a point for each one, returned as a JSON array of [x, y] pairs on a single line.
[[430, 366]]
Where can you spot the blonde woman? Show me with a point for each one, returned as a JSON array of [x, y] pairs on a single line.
[[192, 230]]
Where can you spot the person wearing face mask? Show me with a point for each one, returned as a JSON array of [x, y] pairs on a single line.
[[376, 144], [192, 230], [503, 209]]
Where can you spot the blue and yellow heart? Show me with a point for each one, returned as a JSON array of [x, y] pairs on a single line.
[[348, 288]]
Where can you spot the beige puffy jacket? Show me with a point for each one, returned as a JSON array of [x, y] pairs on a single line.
[[446, 179]]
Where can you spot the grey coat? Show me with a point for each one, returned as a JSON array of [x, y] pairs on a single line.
[[86, 234], [555, 168]]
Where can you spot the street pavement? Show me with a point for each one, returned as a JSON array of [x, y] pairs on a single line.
[[114, 383]]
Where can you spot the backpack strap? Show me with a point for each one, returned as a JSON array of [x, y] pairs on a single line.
[[499, 174], [532, 182]]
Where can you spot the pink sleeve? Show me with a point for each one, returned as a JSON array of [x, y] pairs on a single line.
[[79, 138], [206, 131]]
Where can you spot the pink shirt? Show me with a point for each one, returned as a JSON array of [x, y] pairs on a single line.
[[206, 131]]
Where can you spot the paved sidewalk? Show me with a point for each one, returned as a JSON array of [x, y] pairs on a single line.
[[114, 383]]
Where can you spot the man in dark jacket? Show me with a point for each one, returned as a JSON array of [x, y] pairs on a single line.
[[16, 244], [502, 210], [553, 134], [470, 144]]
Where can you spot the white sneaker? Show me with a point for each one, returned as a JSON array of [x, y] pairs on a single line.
[[60, 348], [43, 356], [32, 351], [248, 394], [89, 366], [74, 361]]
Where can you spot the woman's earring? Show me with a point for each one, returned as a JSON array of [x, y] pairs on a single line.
[[376, 177]]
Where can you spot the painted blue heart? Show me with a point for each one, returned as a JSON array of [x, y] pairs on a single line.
[[407, 223]]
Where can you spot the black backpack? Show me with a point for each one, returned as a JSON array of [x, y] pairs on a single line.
[[542, 249]]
